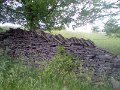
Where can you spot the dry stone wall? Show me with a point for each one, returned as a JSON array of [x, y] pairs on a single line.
[[42, 46]]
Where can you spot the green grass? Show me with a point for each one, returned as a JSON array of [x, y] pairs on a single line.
[[110, 44], [58, 75]]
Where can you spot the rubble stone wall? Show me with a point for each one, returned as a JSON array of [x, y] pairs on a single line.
[[42, 46]]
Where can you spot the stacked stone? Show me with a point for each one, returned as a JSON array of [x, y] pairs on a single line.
[[42, 46]]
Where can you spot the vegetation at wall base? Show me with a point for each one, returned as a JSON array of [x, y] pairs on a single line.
[[58, 75]]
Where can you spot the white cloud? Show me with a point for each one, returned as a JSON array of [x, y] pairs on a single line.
[[10, 25]]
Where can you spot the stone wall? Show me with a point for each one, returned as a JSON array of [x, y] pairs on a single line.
[[42, 46]]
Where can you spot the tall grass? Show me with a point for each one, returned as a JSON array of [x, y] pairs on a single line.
[[111, 44], [57, 75]]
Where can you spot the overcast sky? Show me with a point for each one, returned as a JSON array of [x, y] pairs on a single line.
[[87, 28]]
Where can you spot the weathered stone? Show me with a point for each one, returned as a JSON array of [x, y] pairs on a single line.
[[42, 46]]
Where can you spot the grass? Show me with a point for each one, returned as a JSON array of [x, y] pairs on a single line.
[[58, 75], [110, 44]]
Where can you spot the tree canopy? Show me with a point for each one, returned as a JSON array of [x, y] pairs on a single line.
[[95, 29], [112, 28], [54, 13]]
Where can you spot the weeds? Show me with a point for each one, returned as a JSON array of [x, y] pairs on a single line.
[[58, 75]]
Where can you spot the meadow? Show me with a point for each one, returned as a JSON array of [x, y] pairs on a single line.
[[111, 44]]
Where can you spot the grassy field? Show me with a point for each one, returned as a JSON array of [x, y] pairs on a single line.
[[111, 44]]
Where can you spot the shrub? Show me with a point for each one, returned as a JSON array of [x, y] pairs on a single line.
[[112, 28]]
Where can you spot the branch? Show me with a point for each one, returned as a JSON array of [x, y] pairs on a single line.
[[10, 9], [110, 14], [53, 8]]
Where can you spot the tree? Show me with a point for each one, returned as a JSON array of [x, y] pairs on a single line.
[[95, 29], [52, 13], [48, 13], [112, 28]]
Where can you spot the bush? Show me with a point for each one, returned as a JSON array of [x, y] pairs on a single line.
[[112, 28]]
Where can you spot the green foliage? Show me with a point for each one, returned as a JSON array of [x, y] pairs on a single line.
[[49, 13], [4, 29], [54, 14], [60, 66], [1, 30], [13, 76], [1, 2], [56, 76], [112, 28]]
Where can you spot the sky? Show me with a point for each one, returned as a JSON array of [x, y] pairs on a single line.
[[9, 24], [87, 28]]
